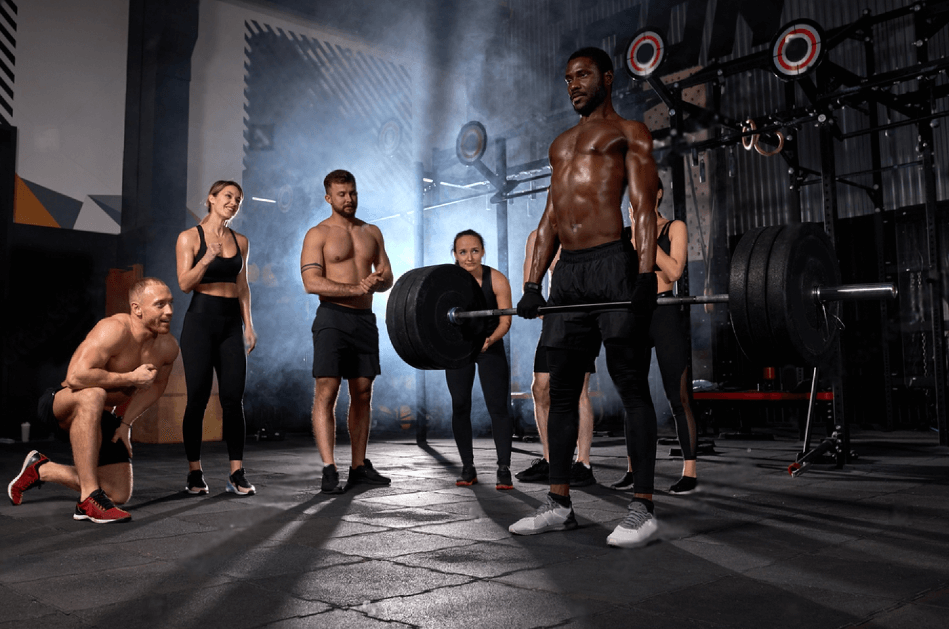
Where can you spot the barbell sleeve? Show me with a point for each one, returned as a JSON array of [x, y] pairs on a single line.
[[855, 292]]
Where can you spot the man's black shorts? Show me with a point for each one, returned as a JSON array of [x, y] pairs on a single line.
[[109, 452], [604, 273], [345, 343], [541, 366]]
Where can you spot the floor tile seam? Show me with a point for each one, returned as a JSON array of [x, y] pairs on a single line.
[[899, 604]]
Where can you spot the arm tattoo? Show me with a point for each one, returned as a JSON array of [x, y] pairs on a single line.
[[311, 265]]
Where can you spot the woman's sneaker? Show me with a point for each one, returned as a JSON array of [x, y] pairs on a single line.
[[624, 483], [99, 508], [581, 475], [504, 478], [685, 485], [196, 485], [237, 484], [538, 472], [637, 527], [469, 476]]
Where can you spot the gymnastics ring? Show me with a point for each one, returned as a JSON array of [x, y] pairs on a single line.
[[749, 141]]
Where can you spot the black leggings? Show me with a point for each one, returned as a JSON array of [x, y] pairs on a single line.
[[494, 373], [668, 336], [628, 365], [212, 339]]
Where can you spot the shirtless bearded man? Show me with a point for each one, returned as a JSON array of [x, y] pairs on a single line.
[[117, 372], [344, 261]]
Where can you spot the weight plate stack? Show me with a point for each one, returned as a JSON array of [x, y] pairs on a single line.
[[417, 317], [802, 259]]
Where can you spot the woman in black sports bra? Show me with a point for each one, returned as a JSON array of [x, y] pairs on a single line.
[[218, 329], [493, 369]]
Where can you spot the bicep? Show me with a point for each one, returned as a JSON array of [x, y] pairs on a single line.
[[529, 253], [502, 289], [99, 346], [311, 259], [679, 239], [382, 258], [184, 253]]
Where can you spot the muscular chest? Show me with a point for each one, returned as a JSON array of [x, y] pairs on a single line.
[[588, 141], [346, 245], [132, 357]]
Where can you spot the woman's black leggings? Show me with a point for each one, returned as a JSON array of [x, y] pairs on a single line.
[[212, 339], [494, 373], [668, 336]]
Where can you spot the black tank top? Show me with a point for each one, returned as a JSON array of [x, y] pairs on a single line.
[[663, 241], [221, 269], [488, 289]]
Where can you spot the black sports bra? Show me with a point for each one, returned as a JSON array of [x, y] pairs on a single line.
[[221, 269]]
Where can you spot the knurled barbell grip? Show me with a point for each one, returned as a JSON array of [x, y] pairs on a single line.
[[845, 292]]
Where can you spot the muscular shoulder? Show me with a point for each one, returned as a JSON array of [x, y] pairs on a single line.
[[242, 240], [497, 278], [111, 332], [167, 348], [372, 230], [637, 133], [189, 237]]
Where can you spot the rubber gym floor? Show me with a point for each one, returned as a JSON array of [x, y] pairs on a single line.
[[862, 546]]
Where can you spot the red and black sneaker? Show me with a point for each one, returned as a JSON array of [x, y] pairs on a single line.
[[99, 508], [28, 478]]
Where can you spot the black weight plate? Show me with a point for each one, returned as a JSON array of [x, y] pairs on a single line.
[[396, 322], [803, 259], [428, 339], [445, 344], [745, 292], [756, 295]]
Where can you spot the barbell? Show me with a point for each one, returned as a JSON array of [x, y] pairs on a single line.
[[784, 295]]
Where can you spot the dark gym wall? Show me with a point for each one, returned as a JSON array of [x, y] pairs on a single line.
[[54, 279]]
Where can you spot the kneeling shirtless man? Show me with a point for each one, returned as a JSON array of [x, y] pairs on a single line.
[[117, 372]]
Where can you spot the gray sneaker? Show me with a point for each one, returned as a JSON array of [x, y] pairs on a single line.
[[636, 528], [550, 516]]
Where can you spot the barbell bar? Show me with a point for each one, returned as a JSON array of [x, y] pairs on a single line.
[[846, 292], [784, 292]]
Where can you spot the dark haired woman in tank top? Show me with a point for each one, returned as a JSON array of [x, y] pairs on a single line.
[[493, 369], [669, 332], [212, 262]]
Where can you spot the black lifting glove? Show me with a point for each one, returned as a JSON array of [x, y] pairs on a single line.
[[530, 301], [644, 297]]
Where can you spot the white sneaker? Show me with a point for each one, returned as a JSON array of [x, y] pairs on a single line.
[[550, 516], [635, 529]]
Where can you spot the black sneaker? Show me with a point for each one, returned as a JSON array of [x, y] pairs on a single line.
[[196, 485], [237, 484], [366, 474], [538, 472], [581, 475], [624, 483], [330, 483], [685, 485], [504, 478], [469, 476]]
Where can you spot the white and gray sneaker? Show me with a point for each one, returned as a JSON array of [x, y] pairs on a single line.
[[636, 528], [550, 516]]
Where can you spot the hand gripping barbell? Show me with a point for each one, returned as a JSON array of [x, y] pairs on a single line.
[[783, 299]]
